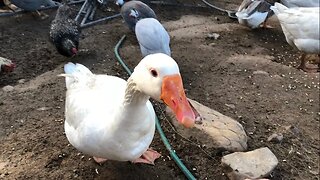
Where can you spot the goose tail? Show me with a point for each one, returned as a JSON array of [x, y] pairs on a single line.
[[76, 74]]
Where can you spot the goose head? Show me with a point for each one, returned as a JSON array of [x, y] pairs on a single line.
[[158, 76]]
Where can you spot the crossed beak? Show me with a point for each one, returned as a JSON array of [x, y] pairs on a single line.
[[173, 95]]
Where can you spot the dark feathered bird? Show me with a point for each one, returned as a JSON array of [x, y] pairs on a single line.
[[133, 11], [65, 32]]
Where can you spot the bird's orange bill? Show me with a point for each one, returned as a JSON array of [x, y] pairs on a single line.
[[172, 93]]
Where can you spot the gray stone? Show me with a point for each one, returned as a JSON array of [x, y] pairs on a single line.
[[8, 88], [254, 164], [216, 129]]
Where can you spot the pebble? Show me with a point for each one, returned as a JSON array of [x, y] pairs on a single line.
[[254, 164], [2, 165], [214, 36], [8, 88], [21, 81], [293, 129], [276, 137], [259, 72], [212, 44], [316, 172], [232, 106], [43, 108]]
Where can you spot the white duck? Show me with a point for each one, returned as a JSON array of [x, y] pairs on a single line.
[[301, 3], [252, 13], [111, 118], [301, 28]]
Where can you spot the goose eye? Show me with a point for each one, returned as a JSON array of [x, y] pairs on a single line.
[[154, 73]]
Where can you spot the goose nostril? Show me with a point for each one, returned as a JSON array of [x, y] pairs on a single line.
[[174, 103]]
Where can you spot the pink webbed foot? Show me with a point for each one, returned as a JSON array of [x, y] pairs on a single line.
[[99, 160], [266, 26], [148, 157]]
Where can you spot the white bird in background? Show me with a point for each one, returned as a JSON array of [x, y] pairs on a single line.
[[110, 118], [300, 26], [301, 3]]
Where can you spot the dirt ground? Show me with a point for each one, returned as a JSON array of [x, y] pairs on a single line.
[[249, 75]]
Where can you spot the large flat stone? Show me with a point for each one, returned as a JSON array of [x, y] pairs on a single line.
[[216, 130], [253, 164]]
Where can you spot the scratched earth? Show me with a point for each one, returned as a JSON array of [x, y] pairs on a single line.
[[219, 73]]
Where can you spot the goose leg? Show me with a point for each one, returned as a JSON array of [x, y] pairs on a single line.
[[303, 62], [266, 26], [11, 6], [303, 65], [318, 63], [148, 157], [38, 14]]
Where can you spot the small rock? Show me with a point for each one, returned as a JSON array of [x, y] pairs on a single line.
[[293, 129], [276, 77], [3, 165], [8, 88], [43, 108], [21, 81], [212, 44], [232, 106], [276, 137], [259, 72], [253, 164], [214, 36], [316, 172]]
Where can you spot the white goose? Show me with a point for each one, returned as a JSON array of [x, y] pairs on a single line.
[[110, 118], [301, 29], [301, 3]]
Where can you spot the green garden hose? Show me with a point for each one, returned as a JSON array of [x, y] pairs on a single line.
[[173, 155]]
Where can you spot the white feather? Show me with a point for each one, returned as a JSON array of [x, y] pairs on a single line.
[[300, 27]]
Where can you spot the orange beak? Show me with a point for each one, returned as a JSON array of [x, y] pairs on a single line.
[[172, 93]]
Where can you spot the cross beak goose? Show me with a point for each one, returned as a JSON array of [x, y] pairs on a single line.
[[110, 118], [172, 91]]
